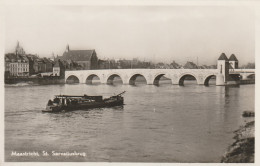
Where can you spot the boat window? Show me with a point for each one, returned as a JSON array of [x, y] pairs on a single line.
[[56, 100]]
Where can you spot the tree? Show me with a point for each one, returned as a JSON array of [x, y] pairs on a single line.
[[248, 66]]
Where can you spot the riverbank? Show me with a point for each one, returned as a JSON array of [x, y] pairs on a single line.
[[242, 82], [243, 149], [36, 80]]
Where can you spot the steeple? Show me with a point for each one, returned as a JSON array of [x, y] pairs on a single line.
[[67, 48], [17, 48]]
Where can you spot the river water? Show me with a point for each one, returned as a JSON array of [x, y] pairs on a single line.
[[166, 123]]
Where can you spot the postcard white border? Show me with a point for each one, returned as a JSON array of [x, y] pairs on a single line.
[[255, 5]]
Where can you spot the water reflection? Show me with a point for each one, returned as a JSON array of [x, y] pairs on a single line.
[[157, 124]]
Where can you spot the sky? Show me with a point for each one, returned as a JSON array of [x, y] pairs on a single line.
[[150, 33]]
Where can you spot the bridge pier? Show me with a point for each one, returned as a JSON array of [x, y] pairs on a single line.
[[150, 82], [175, 81], [200, 80], [82, 80], [125, 81], [220, 80], [243, 76]]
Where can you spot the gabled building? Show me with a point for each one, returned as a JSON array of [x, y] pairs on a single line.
[[17, 65], [41, 66], [59, 69], [85, 58], [48, 64], [33, 64]]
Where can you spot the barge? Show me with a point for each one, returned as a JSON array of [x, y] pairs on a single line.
[[63, 103]]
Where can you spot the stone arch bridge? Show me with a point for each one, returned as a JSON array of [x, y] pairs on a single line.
[[244, 73], [152, 76]]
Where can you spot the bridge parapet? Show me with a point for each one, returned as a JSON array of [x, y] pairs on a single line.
[[241, 70], [152, 76]]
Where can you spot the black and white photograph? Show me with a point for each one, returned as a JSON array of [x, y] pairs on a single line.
[[129, 83]]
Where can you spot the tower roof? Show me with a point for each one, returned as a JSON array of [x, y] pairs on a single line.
[[223, 57], [233, 58]]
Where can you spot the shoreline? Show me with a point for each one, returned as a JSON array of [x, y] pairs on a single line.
[[59, 80], [36, 80], [242, 150]]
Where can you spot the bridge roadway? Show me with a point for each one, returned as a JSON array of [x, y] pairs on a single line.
[[152, 76], [244, 73]]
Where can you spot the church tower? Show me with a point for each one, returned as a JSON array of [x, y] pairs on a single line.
[[19, 50]]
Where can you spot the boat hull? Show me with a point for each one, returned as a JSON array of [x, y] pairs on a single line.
[[84, 106]]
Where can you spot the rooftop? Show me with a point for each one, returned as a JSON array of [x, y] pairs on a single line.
[[78, 55], [223, 57], [233, 58]]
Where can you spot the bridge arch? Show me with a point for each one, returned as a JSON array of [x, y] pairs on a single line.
[[90, 78], [157, 78], [247, 76], [183, 76], [111, 77], [71, 79], [207, 78], [132, 79], [252, 76]]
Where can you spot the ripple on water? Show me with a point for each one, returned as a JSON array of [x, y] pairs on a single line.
[[157, 124]]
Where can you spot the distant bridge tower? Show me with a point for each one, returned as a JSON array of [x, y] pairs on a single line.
[[223, 70], [233, 61]]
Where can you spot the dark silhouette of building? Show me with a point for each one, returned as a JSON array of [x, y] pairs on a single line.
[[33, 64], [85, 58], [59, 69]]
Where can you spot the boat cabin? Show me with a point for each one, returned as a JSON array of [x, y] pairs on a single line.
[[69, 99]]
